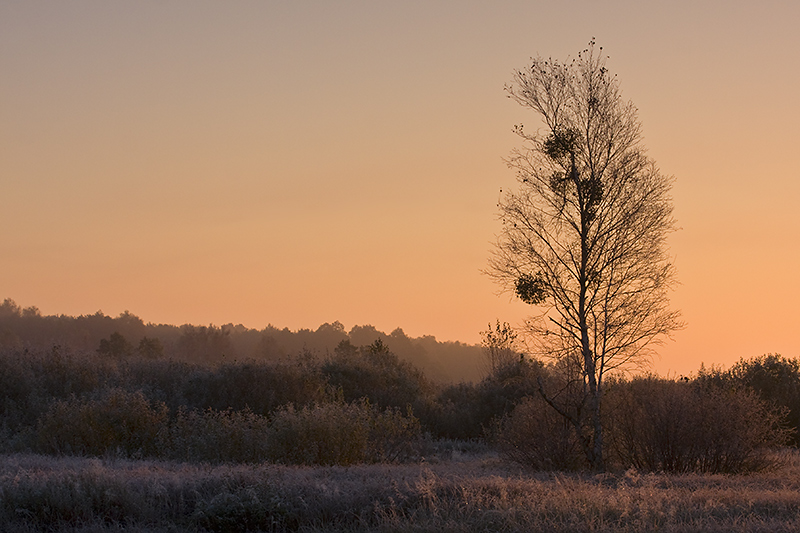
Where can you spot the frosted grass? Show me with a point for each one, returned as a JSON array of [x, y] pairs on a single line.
[[476, 493]]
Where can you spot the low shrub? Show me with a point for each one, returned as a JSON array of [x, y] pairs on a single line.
[[162, 380], [217, 437], [339, 433], [63, 373], [334, 433], [257, 386], [374, 372], [535, 435], [394, 437], [467, 411], [118, 422], [240, 510], [678, 426], [775, 378], [18, 389], [31, 380]]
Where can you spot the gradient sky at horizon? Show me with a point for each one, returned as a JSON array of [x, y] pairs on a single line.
[[294, 163]]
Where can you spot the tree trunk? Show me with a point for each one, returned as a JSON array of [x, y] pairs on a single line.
[[594, 442]]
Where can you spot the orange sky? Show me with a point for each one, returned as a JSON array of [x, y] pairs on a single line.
[[296, 163]]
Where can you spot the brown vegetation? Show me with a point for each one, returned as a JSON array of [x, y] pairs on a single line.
[[364, 405], [473, 494], [140, 441], [655, 425]]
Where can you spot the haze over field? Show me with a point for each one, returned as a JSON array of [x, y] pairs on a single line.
[[296, 163]]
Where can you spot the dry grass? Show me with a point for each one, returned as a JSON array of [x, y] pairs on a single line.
[[464, 493]]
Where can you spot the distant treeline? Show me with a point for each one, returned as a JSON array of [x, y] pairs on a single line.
[[128, 335]]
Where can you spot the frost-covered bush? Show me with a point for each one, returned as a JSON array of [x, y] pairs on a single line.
[[535, 435], [217, 437], [118, 422], [341, 433], [677, 426]]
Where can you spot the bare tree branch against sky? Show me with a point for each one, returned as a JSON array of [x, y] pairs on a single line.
[[300, 163], [583, 234]]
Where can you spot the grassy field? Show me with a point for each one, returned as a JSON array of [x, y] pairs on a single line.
[[458, 493]]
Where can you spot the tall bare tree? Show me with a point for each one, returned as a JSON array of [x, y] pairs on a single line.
[[584, 237]]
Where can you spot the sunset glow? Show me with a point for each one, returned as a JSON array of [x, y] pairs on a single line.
[[295, 163]]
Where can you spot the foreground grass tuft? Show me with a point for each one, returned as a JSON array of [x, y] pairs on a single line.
[[476, 494]]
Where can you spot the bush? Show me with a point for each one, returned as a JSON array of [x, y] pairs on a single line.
[[394, 436], [776, 379], [535, 435], [241, 510], [118, 422], [17, 388], [64, 373], [468, 411], [375, 373], [163, 380], [678, 426], [31, 380], [217, 437], [324, 434], [457, 413], [259, 387], [342, 434]]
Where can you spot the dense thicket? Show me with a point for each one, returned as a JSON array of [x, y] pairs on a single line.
[[62, 402], [364, 403], [776, 379]]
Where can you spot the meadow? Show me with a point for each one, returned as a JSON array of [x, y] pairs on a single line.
[[452, 490]]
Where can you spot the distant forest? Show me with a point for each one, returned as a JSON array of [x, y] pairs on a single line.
[[127, 334]]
